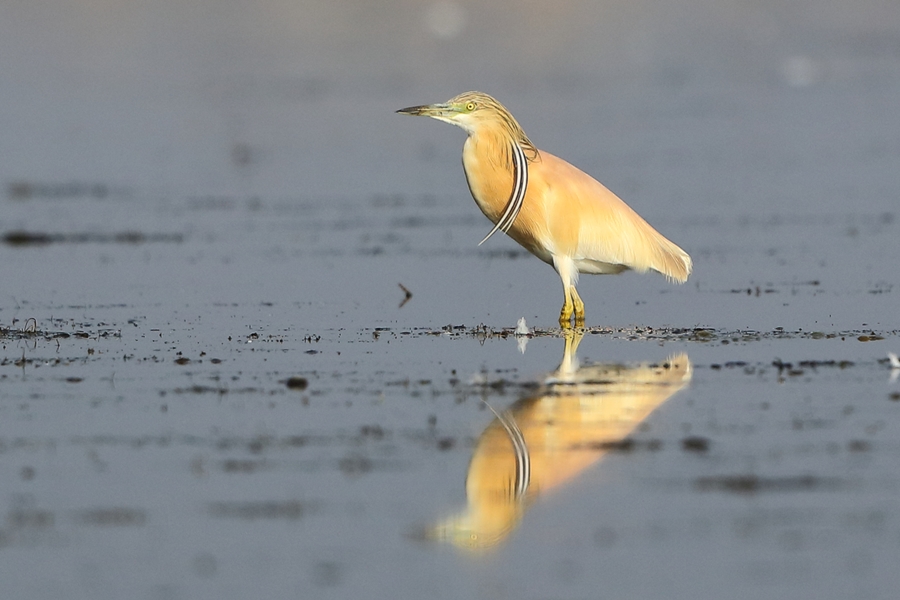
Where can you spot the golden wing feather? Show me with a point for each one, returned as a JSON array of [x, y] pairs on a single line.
[[607, 235]]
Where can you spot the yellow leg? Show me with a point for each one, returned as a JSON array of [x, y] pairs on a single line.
[[572, 306], [579, 308], [565, 315]]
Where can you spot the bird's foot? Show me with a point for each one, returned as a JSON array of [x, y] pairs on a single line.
[[565, 319]]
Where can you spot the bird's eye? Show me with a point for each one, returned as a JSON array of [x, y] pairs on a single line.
[[470, 106]]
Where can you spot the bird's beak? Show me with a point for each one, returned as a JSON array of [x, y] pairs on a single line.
[[429, 110]]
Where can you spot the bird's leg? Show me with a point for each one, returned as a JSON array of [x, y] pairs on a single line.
[[572, 306], [565, 315], [572, 303], [579, 308]]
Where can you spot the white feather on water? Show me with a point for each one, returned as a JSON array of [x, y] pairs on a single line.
[[522, 332]]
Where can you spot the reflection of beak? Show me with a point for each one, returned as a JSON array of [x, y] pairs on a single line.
[[429, 110], [460, 531], [420, 533]]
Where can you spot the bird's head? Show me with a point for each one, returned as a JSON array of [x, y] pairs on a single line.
[[467, 110], [473, 111]]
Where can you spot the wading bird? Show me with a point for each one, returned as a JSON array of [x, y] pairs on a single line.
[[554, 210]]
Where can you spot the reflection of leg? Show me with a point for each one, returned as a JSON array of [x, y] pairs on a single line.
[[569, 362]]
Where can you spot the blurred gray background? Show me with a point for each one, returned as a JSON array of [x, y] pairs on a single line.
[[695, 106]]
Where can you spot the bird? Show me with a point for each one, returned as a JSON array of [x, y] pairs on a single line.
[[551, 208]]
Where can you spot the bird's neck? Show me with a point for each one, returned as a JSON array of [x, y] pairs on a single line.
[[491, 144], [487, 161]]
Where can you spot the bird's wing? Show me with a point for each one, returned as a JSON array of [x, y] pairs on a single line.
[[592, 225]]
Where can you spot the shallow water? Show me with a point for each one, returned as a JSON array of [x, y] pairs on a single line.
[[213, 383]]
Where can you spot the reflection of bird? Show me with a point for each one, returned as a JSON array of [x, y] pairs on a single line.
[[555, 211], [545, 440]]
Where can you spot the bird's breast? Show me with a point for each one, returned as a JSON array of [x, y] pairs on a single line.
[[489, 181]]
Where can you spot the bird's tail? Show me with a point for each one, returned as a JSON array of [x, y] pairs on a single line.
[[670, 260]]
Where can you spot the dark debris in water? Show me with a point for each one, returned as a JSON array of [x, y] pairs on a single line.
[[296, 383], [27, 190], [290, 510], [725, 337], [31, 332], [21, 238], [625, 445], [407, 295], [754, 484], [870, 338], [696, 444], [208, 389], [117, 516], [244, 466], [791, 369], [636, 333]]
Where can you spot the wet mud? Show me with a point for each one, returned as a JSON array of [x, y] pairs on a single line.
[[205, 388]]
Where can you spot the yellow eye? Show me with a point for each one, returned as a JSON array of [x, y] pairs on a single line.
[[470, 106]]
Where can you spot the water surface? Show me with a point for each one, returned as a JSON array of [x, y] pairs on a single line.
[[213, 383]]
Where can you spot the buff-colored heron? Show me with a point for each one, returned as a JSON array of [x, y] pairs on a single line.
[[554, 210]]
